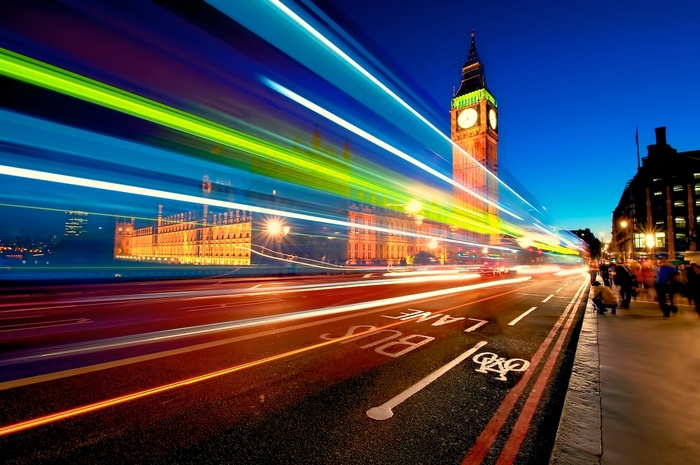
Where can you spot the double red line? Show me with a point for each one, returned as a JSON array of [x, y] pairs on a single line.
[[488, 436]]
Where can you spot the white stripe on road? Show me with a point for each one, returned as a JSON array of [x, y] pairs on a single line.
[[43, 324], [526, 313], [548, 297], [476, 326], [384, 412]]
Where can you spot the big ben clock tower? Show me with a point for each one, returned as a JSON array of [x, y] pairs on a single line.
[[474, 129]]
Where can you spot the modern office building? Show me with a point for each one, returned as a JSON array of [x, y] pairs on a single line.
[[659, 209], [76, 223]]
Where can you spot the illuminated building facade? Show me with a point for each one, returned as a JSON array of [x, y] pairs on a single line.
[[474, 129], [200, 237], [76, 224], [659, 210]]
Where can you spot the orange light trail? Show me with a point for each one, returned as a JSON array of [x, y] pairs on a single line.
[[54, 417]]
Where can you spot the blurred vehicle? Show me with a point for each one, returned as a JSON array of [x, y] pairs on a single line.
[[425, 258], [494, 266]]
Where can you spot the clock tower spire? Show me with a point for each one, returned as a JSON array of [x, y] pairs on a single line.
[[474, 130], [473, 74]]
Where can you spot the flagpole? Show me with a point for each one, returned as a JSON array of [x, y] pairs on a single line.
[[636, 139]]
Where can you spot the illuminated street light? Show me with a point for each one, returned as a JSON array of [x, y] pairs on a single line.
[[623, 225], [651, 241], [413, 207]]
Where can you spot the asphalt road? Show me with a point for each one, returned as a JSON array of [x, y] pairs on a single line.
[[399, 369]]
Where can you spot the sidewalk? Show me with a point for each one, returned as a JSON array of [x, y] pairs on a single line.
[[634, 394]]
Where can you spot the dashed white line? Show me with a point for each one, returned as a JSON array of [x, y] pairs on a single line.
[[524, 314]]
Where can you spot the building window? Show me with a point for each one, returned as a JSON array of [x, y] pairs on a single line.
[[678, 203], [697, 188], [696, 175], [660, 239], [678, 188], [640, 241], [680, 222], [681, 241], [657, 192], [657, 179]]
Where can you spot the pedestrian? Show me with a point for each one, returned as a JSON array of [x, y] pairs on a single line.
[[604, 298], [604, 270], [593, 270], [649, 277], [625, 280], [638, 288], [665, 283], [693, 285]]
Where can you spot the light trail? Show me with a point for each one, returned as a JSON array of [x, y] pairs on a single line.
[[52, 418], [340, 53], [327, 178], [160, 336], [380, 143], [146, 192], [42, 74]]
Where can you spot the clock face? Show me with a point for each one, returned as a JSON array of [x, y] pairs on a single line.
[[493, 119], [467, 118]]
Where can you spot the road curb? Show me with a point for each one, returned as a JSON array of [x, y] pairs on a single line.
[[579, 436]]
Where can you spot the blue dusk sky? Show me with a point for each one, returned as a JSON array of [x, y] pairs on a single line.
[[573, 81]]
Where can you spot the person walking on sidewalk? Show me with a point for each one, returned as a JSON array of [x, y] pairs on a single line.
[[693, 285], [664, 287], [593, 270], [625, 280], [604, 270], [604, 298]]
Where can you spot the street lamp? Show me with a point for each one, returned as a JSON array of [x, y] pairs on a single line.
[[623, 225], [650, 242], [276, 230]]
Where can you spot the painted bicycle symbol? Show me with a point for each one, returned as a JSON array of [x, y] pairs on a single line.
[[492, 362]]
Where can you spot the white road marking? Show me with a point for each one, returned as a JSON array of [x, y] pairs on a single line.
[[384, 412], [526, 313], [476, 326], [548, 297]]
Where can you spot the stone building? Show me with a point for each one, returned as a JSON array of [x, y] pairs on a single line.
[[659, 209]]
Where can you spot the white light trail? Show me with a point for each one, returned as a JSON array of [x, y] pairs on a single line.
[[321, 38], [380, 143], [159, 336], [146, 192]]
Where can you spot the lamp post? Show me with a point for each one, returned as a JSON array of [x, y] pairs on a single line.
[[623, 225], [276, 230], [651, 243]]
